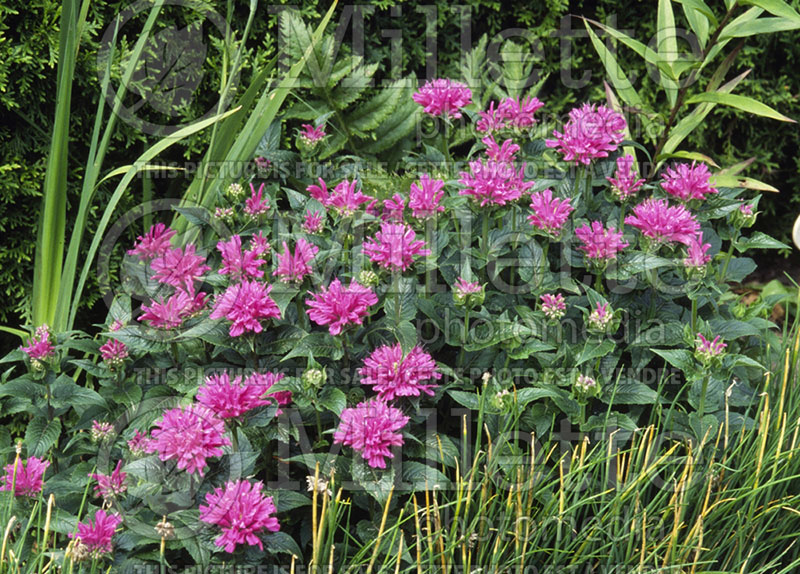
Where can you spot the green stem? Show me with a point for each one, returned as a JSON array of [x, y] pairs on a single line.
[[485, 245], [694, 316], [396, 289], [702, 407], [465, 335], [728, 256], [545, 263], [598, 283]]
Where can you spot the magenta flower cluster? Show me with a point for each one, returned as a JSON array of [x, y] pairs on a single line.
[[592, 132], [443, 97], [242, 512]]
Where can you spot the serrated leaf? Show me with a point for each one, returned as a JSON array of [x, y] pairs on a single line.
[[469, 400], [759, 240], [333, 399], [281, 543], [592, 350], [41, 434], [631, 392], [423, 477], [680, 358]]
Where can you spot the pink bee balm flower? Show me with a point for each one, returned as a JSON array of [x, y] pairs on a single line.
[[625, 182], [465, 288], [686, 182], [393, 375], [189, 434], [346, 200], [468, 294], [696, 253], [96, 534], [265, 382], [492, 182], [116, 325], [154, 243], [237, 263], [242, 512], [313, 222], [256, 204], [393, 208], [39, 347], [180, 267], [170, 314], [443, 97], [706, 350], [138, 444], [504, 152], [28, 478], [519, 114], [599, 243], [424, 199], [394, 246], [746, 209], [259, 244], [312, 135], [294, 267], [114, 353], [319, 192], [230, 398], [491, 120], [591, 132], [338, 306], [663, 223], [371, 429], [553, 306], [110, 485], [102, 431], [601, 317], [245, 304], [549, 213]]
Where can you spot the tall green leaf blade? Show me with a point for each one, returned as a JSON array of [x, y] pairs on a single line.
[[52, 218], [743, 103], [667, 46], [776, 8], [137, 166], [615, 73]]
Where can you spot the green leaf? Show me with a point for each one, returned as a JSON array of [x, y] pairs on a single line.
[[632, 392], [528, 395], [701, 7], [776, 8], [376, 482], [615, 72], [333, 399], [406, 334], [592, 350], [680, 358], [741, 103], [739, 268], [281, 543], [41, 434], [759, 241], [286, 500], [730, 329], [23, 387], [65, 393], [469, 400], [423, 477], [667, 47], [615, 420]]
